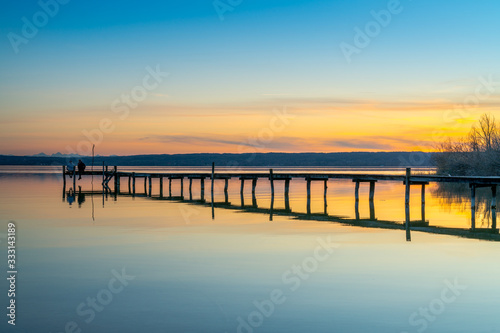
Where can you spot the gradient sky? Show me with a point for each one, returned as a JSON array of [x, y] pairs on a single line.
[[228, 79]]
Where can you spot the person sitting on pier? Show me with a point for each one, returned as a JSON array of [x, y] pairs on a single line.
[[81, 168], [70, 168]]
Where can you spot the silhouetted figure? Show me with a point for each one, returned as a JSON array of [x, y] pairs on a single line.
[[71, 168], [81, 168], [81, 197]]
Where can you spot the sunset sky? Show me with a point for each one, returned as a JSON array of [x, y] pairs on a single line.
[[251, 75]]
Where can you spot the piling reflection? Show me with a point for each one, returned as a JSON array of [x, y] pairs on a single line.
[[453, 193], [480, 200]]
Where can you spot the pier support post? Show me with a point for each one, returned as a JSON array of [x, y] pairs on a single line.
[[202, 183], [212, 178], [372, 190], [356, 199], [182, 187], [308, 180], [226, 196], [116, 178], [473, 206], [287, 193], [190, 188], [129, 186], [271, 180], [169, 187], [254, 197], [161, 186], [494, 207], [212, 190], [356, 191], [371, 200], [64, 175], [242, 198], [372, 210], [133, 183], [407, 203], [422, 194], [145, 185], [150, 185], [324, 196]]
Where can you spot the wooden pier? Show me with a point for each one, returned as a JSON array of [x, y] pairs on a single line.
[[407, 180]]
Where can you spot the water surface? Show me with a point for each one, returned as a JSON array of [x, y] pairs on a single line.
[[187, 272]]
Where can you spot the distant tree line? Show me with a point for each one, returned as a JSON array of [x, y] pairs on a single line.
[[354, 159], [478, 153]]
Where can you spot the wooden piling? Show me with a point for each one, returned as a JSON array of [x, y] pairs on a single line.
[[161, 186], [212, 182], [212, 178], [271, 179], [254, 200], [169, 187], [372, 210], [473, 206], [226, 185], [133, 183], [64, 175], [145, 185], [372, 190], [190, 188], [356, 191], [150, 185], [494, 207], [182, 187], [116, 181], [371, 198], [308, 180], [129, 181], [324, 197], [242, 187], [254, 185], [202, 181], [407, 203], [356, 209], [287, 194], [422, 195]]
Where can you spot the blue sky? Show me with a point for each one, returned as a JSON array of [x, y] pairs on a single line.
[[264, 54]]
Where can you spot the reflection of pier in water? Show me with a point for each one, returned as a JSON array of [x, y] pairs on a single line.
[[408, 180]]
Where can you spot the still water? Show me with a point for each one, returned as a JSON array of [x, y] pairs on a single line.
[[93, 263]]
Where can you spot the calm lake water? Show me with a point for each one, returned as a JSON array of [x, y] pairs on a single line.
[[95, 263]]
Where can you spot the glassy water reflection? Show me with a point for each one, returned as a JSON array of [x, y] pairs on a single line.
[[149, 265]]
